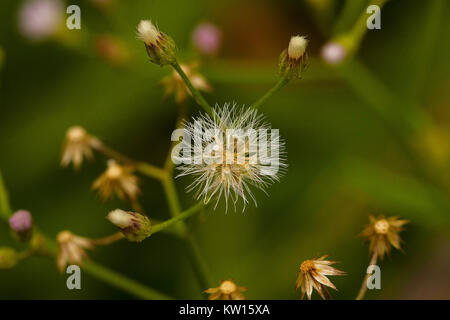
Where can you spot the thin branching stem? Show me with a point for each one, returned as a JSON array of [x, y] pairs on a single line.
[[363, 289], [108, 240], [282, 82], [182, 216], [198, 97]]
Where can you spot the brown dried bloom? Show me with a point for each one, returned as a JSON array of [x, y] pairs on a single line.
[[71, 249], [77, 145], [312, 274], [382, 233], [174, 84], [118, 180], [227, 290]]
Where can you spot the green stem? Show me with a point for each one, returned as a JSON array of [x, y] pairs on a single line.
[[5, 209], [197, 261], [151, 171], [182, 216], [198, 97], [119, 281], [279, 85]]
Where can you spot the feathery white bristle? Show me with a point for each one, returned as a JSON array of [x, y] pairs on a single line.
[[147, 32], [297, 47]]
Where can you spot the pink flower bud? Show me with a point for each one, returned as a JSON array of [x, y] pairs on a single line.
[[207, 38]]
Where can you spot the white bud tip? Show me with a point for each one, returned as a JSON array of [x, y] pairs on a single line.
[[297, 47], [119, 218], [333, 53], [147, 32]]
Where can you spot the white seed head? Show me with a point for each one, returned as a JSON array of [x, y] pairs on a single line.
[[147, 32], [120, 218], [297, 47], [230, 163]]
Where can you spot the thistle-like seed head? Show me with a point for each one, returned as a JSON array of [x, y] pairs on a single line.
[[71, 249], [77, 145], [233, 150], [134, 226]]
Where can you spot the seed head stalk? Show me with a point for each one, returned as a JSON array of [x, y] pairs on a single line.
[[363, 289]]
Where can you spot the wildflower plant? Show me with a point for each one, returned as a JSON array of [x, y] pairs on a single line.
[[226, 152]]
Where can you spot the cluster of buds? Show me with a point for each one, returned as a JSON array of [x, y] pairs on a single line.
[[134, 226], [160, 47], [294, 59]]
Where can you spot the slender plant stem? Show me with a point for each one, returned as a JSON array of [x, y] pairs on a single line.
[[100, 272], [363, 289], [108, 240], [197, 261], [182, 216], [5, 209], [143, 167], [119, 281], [198, 97], [279, 85]]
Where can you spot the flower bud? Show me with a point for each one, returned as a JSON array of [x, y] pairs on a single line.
[[134, 226], [8, 258], [160, 47], [21, 223], [207, 38], [333, 53], [293, 60]]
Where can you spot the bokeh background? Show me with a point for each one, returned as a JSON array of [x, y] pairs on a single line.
[[344, 160]]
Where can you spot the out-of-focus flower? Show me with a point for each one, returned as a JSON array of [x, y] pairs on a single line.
[[228, 290], [112, 50], [174, 84], [21, 223], [41, 19], [77, 145], [207, 38], [333, 53], [71, 249], [8, 258], [118, 180], [382, 233], [293, 60], [230, 163], [312, 275], [160, 47], [134, 226]]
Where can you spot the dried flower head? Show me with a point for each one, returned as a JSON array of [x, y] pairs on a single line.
[[230, 154], [160, 47], [382, 233], [134, 226], [293, 60], [71, 249], [228, 290], [118, 180], [77, 145], [173, 83], [312, 274], [21, 223]]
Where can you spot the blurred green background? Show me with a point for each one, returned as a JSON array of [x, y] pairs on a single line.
[[343, 160]]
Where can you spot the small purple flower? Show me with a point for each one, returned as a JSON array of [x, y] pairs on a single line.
[[333, 53], [40, 19], [22, 223], [207, 38]]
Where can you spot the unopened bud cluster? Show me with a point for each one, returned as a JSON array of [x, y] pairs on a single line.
[[134, 226], [293, 60], [160, 47]]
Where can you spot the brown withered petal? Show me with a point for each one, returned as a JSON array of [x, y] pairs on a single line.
[[312, 275], [383, 233]]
